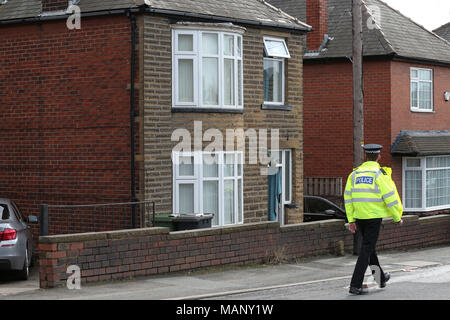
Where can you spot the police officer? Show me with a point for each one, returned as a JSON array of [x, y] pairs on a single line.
[[370, 195]]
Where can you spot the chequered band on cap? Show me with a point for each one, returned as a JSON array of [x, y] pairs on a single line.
[[372, 148]]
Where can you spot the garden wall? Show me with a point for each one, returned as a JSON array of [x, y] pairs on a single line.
[[141, 252]]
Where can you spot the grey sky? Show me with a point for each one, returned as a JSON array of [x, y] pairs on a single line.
[[429, 13]]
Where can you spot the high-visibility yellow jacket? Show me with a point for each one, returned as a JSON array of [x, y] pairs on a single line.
[[371, 193]]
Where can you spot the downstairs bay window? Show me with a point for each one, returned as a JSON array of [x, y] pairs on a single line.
[[209, 183], [426, 183]]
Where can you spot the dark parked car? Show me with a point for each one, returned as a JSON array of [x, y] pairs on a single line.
[[318, 208], [16, 239]]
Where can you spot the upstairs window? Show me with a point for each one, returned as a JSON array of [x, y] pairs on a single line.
[[275, 53], [421, 90], [207, 70]]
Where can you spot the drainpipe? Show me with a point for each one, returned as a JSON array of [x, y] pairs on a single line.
[[132, 114]]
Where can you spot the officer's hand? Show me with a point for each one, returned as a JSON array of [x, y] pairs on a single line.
[[352, 227], [400, 223]]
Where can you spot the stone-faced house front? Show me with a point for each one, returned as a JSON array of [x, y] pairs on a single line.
[[177, 78]]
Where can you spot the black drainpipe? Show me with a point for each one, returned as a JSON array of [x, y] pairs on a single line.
[[132, 114]]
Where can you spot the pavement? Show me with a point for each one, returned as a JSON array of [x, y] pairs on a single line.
[[230, 282]]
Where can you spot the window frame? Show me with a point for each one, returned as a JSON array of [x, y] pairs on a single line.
[[285, 153], [279, 58], [423, 169], [199, 179], [198, 56], [188, 55], [283, 41], [418, 81], [283, 82]]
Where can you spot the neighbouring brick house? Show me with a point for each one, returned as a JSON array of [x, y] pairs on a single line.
[[443, 31], [70, 98], [406, 74]]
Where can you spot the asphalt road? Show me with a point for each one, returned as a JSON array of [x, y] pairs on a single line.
[[426, 283]]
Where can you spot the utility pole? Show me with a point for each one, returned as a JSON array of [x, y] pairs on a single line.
[[358, 100], [358, 94]]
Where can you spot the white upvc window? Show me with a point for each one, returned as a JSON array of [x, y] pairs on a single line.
[[426, 183], [275, 53], [276, 47], [421, 90], [283, 158], [207, 69], [206, 182]]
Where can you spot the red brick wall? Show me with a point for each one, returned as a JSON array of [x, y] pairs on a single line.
[[316, 16], [403, 118], [64, 106], [124, 254], [328, 115]]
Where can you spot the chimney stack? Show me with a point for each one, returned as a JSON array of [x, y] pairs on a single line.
[[316, 16], [54, 5]]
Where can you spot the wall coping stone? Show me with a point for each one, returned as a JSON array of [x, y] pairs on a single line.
[[404, 218], [300, 226], [105, 235], [223, 230], [331, 223], [313, 225], [144, 232], [432, 219]]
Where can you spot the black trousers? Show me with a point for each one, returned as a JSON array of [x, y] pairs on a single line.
[[369, 229]]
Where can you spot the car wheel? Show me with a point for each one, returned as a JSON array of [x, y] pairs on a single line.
[[25, 272]]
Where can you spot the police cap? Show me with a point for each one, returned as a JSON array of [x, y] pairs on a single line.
[[372, 148]]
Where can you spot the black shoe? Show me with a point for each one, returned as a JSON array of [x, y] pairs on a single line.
[[387, 276], [357, 291]]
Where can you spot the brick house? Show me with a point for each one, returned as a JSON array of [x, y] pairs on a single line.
[[91, 114], [406, 75], [443, 31]]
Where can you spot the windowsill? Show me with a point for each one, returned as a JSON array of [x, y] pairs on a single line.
[[447, 207], [275, 107], [205, 110], [422, 111]]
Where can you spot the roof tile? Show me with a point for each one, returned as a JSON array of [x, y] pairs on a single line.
[[443, 31]]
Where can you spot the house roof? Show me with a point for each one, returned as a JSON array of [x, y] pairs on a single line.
[[421, 143], [257, 12], [19, 9], [394, 33], [443, 31]]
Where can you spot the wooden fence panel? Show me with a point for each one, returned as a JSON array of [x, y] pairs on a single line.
[[315, 186]]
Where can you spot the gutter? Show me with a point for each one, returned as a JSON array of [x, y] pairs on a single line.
[[393, 56], [421, 61]]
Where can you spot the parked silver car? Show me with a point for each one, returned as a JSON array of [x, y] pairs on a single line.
[[16, 239]]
